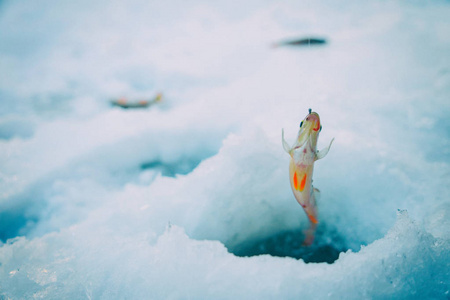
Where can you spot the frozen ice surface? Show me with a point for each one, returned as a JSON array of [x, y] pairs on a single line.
[[179, 201], [74, 263]]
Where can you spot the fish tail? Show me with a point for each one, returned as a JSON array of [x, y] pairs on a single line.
[[310, 234], [313, 219], [311, 212]]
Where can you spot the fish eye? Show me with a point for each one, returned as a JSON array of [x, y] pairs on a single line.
[[301, 123]]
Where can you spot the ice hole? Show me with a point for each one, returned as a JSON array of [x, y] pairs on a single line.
[[183, 166], [326, 247]]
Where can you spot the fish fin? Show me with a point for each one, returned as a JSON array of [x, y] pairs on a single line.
[[316, 193], [322, 153], [286, 146]]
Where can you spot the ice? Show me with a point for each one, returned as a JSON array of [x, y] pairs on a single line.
[[16, 128], [172, 265], [191, 199]]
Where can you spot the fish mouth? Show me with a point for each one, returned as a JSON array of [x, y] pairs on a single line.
[[315, 120], [309, 130]]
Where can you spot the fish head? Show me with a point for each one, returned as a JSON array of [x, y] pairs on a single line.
[[309, 130]]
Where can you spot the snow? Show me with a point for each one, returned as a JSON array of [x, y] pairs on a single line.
[[191, 199]]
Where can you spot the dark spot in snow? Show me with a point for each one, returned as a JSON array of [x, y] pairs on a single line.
[[326, 247], [183, 166]]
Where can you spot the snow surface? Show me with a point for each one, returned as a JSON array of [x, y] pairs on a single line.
[[170, 202]]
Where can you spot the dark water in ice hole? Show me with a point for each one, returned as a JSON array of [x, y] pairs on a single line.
[[181, 167], [326, 247]]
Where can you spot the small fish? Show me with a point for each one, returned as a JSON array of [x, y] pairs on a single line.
[[302, 42], [303, 155], [124, 103]]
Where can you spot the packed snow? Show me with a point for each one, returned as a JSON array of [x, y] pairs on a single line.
[[190, 198]]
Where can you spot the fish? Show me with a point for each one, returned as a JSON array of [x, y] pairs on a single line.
[[303, 156], [301, 42], [124, 103]]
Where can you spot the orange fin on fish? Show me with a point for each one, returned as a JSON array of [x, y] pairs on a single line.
[[303, 183], [313, 219], [295, 181]]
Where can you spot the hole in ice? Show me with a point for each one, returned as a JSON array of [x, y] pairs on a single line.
[[183, 166], [326, 247], [11, 224]]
